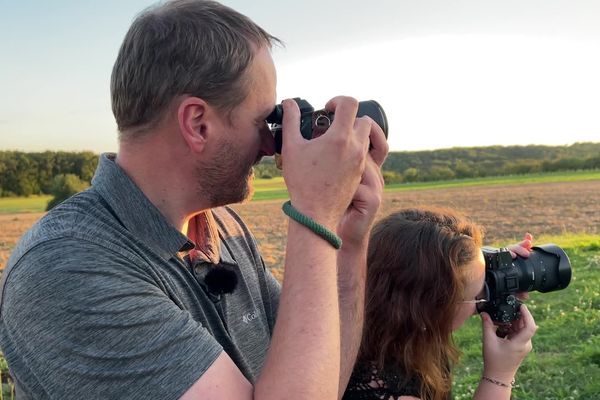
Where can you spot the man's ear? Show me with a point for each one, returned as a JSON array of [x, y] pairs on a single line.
[[194, 123]]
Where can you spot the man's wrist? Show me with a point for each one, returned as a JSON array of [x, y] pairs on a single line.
[[317, 212], [311, 224]]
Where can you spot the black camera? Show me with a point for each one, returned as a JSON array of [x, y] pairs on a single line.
[[546, 269], [314, 123]]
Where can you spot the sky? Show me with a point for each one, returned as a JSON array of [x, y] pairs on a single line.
[[447, 72]]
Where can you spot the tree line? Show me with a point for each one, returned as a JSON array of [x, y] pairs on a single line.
[[52, 172], [49, 172], [474, 162]]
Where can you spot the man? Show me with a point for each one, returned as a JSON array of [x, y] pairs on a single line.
[[106, 296]]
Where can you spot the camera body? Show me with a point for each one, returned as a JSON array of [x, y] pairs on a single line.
[[546, 269], [314, 123]]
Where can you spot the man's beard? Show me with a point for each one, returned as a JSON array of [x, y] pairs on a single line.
[[227, 179]]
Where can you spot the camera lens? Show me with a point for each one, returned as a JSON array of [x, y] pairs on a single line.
[[546, 269]]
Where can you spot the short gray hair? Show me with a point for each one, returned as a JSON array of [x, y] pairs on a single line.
[[195, 47]]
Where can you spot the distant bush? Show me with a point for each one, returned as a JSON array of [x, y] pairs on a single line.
[[63, 187], [391, 177], [440, 173], [411, 174]]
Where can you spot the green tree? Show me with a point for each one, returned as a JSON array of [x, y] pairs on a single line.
[[19, 177], [266, 169], [390, 177], [63, 187], [441, 173], [411, 175], [522, 167], [464, 170], [85, 165]]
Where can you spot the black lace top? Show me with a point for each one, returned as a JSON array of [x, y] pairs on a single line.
[[367, 382]]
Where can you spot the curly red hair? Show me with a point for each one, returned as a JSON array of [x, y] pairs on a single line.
[[415, 282]]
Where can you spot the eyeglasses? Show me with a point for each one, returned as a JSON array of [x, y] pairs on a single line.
[[481, 298]]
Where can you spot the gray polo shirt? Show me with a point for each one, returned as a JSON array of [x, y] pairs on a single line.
[[99, 302]]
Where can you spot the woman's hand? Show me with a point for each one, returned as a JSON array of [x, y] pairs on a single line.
[[503, 356], [523, 248]]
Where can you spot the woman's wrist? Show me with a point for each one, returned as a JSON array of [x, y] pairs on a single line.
[[501, 376], [505, 384]]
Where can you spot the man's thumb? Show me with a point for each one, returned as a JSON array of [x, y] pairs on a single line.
[[291, 122]]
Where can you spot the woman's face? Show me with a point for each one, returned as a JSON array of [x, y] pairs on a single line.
[[475, 275]]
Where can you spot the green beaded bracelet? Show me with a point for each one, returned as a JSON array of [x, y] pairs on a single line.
[[311, 224]]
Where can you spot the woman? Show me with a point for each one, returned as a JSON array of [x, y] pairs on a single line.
[[425, 277]]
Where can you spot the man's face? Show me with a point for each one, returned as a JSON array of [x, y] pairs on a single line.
[[245, 137]]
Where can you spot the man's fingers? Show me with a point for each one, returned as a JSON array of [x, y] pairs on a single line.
[[291, 122], [372, 178], [362, 127], [345, 109], [379, 144]]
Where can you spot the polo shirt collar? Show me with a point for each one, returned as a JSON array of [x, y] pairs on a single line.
[[135, 211]]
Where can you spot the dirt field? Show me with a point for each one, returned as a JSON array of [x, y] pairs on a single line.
[[506, 212]]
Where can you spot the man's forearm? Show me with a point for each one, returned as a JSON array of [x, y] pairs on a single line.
[[303, 359], [351, 282]]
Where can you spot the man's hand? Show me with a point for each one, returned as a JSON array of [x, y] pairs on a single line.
[[356, 222], [322, 174]]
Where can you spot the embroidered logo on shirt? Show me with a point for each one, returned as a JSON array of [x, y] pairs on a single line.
[[251, 316]]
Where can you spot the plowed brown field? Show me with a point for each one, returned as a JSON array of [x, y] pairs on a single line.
[[506, 211]]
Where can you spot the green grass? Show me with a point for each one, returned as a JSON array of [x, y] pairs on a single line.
[[23, 204], [269, 189], [272, 189], [501, 180], [565, 361]]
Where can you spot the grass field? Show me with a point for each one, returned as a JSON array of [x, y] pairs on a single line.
[[565, 361], [502, 180], [269, 189], [274, 189], [11, 205]]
